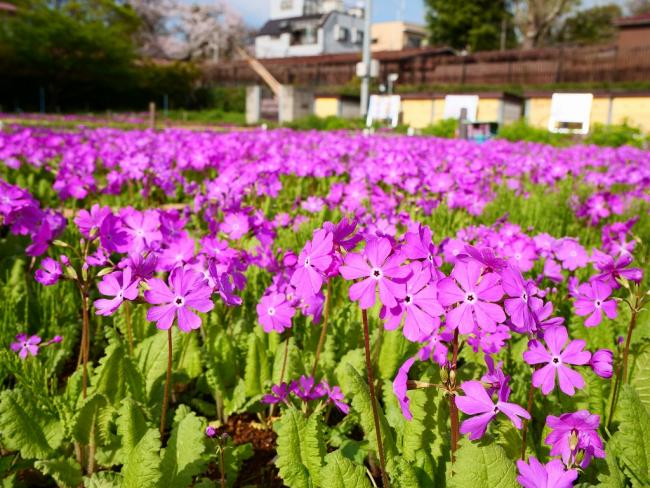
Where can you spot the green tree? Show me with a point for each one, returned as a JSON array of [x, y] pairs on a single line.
[[475, 25], [591, 25]]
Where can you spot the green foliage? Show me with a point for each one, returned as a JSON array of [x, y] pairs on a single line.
[[483, 465], [591, 25], [142, 466], [522, 131], [445, 128], [473, 25], [615, 135], [340, 472], [234, 457], [640, 373], [300, 449], [65, 471], [331, 122], [632, 441], [26, 427]]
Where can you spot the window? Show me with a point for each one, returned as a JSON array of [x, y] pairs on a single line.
[[413, 41], [341, 34], [357, 36], [286, 4]]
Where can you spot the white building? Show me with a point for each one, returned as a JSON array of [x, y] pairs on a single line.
[[309, 28]]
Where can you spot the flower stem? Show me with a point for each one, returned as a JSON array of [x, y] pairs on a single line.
[[323, 332], [129, 327], [621, 371], [167, 382], [373, 398], [222, 465], [453, 409], [85, 341], [529, 408]]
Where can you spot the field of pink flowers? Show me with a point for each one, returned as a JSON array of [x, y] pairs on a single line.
[[321, 309]]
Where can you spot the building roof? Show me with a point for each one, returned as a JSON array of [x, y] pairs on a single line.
[[278, 26], [635, 21]]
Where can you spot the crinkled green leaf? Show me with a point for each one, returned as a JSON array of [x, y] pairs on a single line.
[[480, 466], [340, 472], [182, 458], [151, 356], [258, 367], [300, 449], [142, 467], [640, 374], [25, 427], [65, 471], [103, 479], [132, 425], [632, 441], [233, 459], [87, 418], [613, 478]]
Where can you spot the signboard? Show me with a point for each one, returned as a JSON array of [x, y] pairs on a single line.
[[384, 107], [570, 113], [374, 69], [455, 103]]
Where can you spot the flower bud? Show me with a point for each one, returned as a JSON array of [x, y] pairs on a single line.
[[59, 243], [601, 363], [210, 431], [452, 377], [444, 374], [573, 441], [580, 456], [71, 273]]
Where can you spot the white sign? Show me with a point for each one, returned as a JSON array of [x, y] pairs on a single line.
[[455, 103], [374, 69], [570, 113], [384, 107]]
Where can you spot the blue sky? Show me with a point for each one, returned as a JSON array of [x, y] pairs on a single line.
[[255, 12]]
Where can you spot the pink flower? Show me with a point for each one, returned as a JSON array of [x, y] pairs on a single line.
[[89, 222], [275, 313], [555, 359], [420, 306], [552, 475], [474, 295], [119, 285], [313, 262], [521, 254], [26, 346], [601, 363], [420, 246], [184, 292], [400, 387], [592, 300], [235, 225], [574, 432], [143, 227], [523, 301], [611, 270], [113, 236], [380, 270], [476, 401], [572, 254], [49, 272]]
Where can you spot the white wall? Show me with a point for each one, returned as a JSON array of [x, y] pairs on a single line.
[[284, 9]]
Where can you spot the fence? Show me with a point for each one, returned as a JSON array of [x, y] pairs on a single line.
[[427, 66]]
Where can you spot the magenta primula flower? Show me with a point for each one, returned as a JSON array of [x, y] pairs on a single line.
[[523, 300], [119, 285], [555, 359], [473, 297], [89, 222], [113, 236], [335, 396], [592, 300], [177, 253], [26, 346], [184, 292], [279, 393], [484, 256], [313, 262], [552, 475], [572, 254], [275, 313], [49, 272], [611, 270], [380, 269], [420, 306], [235, 225], [418, 245], [477, 401], [601, 363], [143, 227], [573, 433], [400, 387]]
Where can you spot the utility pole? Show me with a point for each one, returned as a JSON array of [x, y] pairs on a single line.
[[367, 39]]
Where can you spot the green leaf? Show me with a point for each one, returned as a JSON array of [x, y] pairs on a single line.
[[189, 360], [394, 347], [640, 374], [65, 471], [85, 424], [132, 425], [103, 479], [340, 472], [632, 441], [258, 368], [234, 457], [181, 459], [151, 355], [142, 467], [613, 478], [117, 376], [26, 427], [483, 465], [300, 449]]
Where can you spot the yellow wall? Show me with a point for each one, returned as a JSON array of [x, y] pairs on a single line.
[[539, 111], [391, 36], [488, 110], [417, 113], [438, 109], [599, 111], [326, 106], [635, 109]]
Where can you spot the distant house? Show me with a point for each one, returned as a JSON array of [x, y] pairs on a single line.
[[309, 28], [397, 35], [634, 31]]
